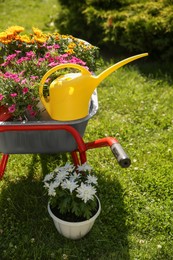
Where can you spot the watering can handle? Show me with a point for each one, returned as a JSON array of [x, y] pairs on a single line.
[[58, 67]]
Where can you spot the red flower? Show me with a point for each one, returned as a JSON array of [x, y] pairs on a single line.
[[25, 90]]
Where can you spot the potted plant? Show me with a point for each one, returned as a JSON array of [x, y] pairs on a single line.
[[24, 59], [73, 203]]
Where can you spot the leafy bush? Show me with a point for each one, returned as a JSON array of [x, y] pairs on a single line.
[[137, 27], [142, 27]]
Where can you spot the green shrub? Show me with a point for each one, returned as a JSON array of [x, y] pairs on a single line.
[[137, 27], [142, 27]]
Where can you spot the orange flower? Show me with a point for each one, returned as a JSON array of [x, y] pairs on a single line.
[[3, 37]]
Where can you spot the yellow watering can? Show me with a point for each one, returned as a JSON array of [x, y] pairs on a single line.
[[70, 94]]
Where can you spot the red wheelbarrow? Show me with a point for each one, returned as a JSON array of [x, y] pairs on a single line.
[[50, 137]]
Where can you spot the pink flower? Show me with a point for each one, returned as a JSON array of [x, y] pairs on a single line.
[[17, 51], [23, 81], [21, 73], [34, 77], [47, 55], [12, 108], [56, 46], [49, 47], [40, 60], [30, 54], [1, 96], [13, 76], [48, 80], [7, 74], [65, 55], [13, 94], [77, 60], [22, 60], [25, 90], [31, 111], [5, 64], [53, 64], [11, 57]]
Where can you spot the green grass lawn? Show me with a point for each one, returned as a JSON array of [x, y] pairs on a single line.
[[39, 13], [136, 223]]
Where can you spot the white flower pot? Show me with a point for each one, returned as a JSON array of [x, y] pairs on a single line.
[[74, 230]]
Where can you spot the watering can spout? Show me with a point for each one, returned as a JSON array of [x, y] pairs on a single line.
[[116, 66]]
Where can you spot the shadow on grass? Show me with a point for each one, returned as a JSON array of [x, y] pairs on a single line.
[[152, 67], [155, 69], [27, 232]]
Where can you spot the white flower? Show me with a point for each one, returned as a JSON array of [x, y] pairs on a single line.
[[51, 190], [56, 184], [86, 192], [67, 168], [46, 185], [61, 176], [52, 187], [84, 167], [91, 179], [70, 185], [75, 176], [48, 177]]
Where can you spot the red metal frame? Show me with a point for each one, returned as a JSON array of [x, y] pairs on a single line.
[[3, 164], [79, 155]]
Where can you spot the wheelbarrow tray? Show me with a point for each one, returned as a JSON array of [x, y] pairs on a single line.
[[46, 141]]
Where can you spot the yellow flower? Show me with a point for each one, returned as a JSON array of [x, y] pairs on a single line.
[[57, 36], [15, 29], [37, 32], [40, 39], [3, 36], [65, 36], [10, 34], [39, 36], [72, 45], [25, 38], [6, 38], [70, 51]]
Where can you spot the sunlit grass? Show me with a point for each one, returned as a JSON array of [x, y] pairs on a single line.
[[40, 14]]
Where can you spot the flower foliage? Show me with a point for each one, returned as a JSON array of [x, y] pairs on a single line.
[[72, 190], [24, 59]]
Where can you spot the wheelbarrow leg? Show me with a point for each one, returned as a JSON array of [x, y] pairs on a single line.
[[75, 158], [3, 164], [78, 160]]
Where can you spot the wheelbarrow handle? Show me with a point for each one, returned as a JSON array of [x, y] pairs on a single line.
[[122, 158]]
